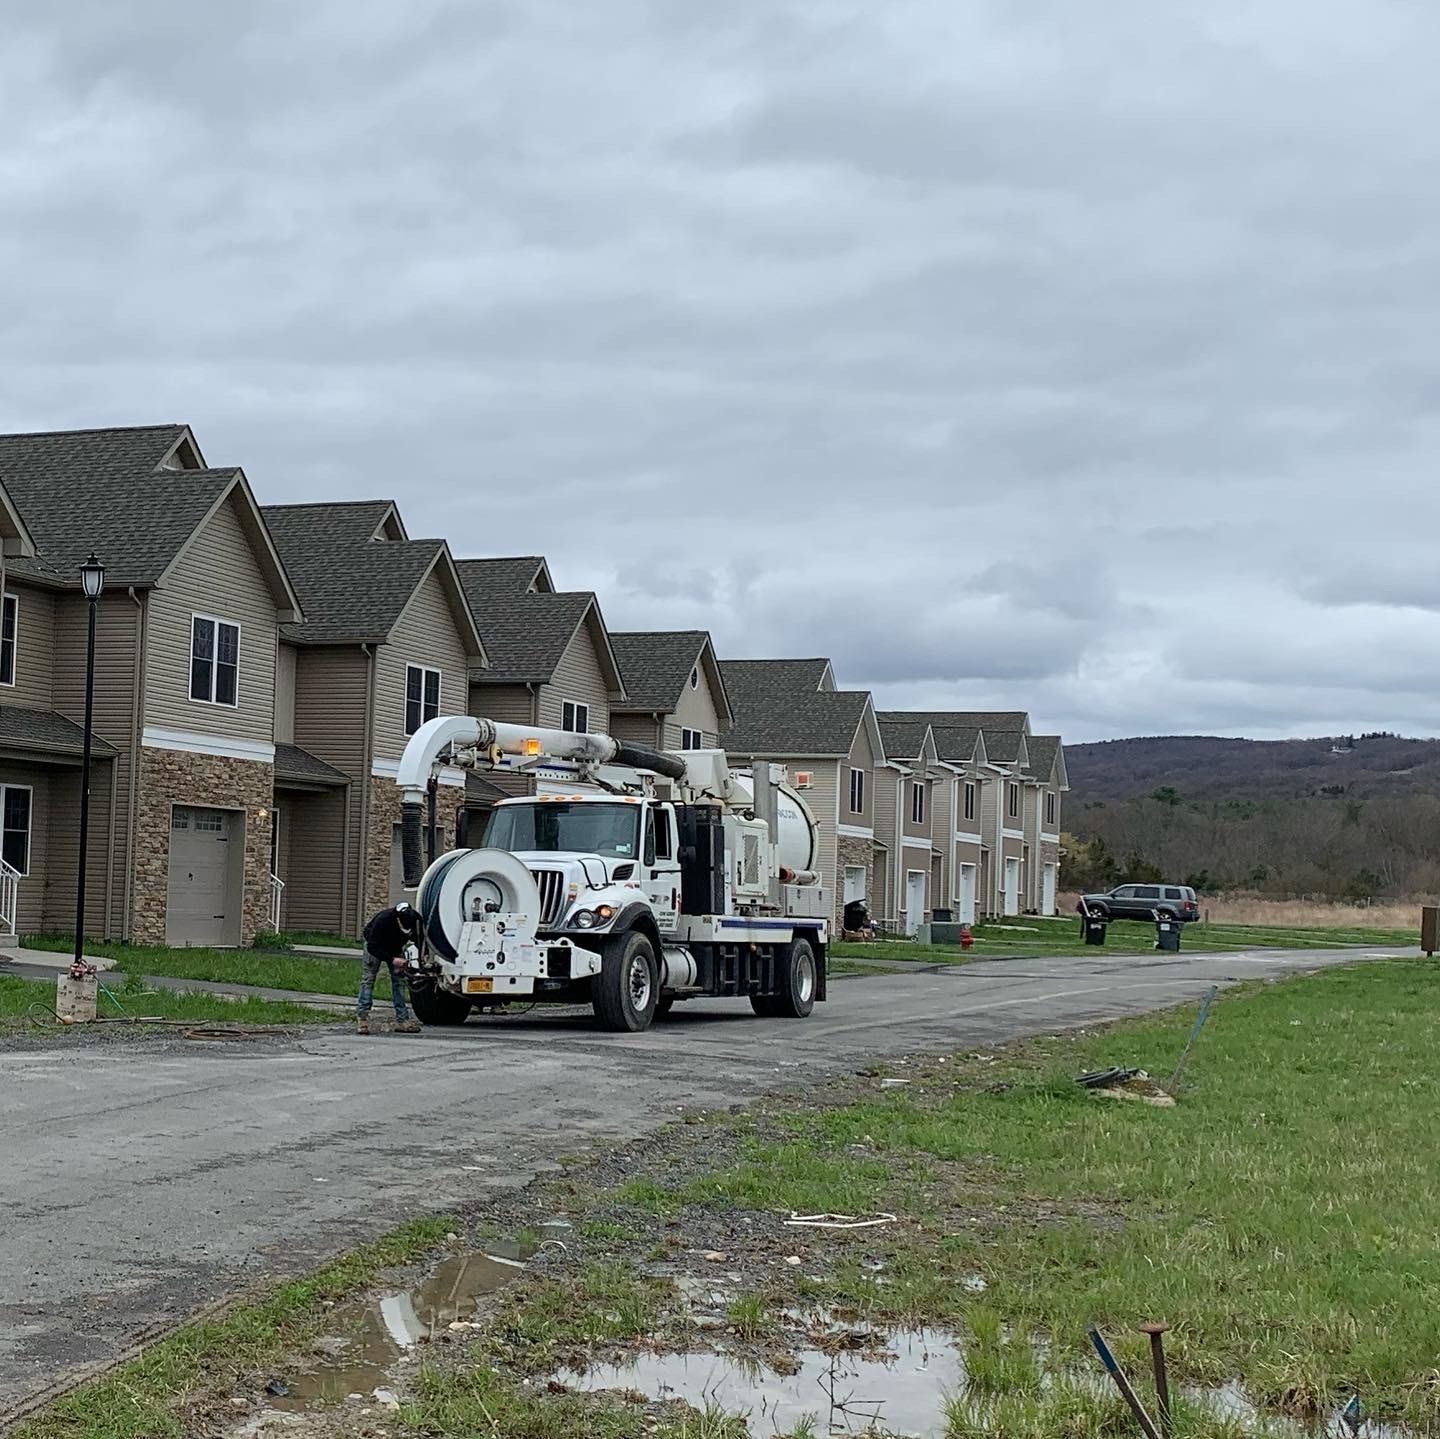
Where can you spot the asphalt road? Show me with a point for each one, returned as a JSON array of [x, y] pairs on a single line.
[[139, 1180]]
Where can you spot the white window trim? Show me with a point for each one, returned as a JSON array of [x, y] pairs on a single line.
[[850, 799], [1012, 799], [1052, 806], [405, 698], [970, 800], [8, 598], [29, 825], [576, 706], [917, 801], [695, 678], [686, 735], [217, 621]]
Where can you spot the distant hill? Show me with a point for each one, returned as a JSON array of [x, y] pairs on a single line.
[[1203, 766], [1352, 817]]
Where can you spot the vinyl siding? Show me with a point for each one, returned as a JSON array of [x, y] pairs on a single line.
[[696, 710], [885, 783], [425, 634], [34, 649], [118, 621], [218, 575], [285, 662], [577, 677], [508, 704], [30, 913], [332, 687], [312, 828], [643, 729], [821, 797], [862, 757], [942, 820]]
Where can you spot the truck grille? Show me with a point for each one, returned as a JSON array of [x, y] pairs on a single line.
[[552, 895]]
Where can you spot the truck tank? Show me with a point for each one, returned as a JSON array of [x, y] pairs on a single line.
[[798, 846]]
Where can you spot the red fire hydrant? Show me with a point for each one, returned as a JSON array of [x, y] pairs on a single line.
[[967, 940]]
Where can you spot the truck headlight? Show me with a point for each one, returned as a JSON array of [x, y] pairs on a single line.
[[586, 919]]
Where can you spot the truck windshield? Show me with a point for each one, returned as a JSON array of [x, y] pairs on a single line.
[[609, 829]]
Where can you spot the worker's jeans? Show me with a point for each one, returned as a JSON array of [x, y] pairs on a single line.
[[371, 965]]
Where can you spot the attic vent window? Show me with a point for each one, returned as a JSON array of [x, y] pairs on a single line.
[[695, 678]]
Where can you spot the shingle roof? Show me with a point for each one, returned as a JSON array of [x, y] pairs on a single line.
[[1042, 750], [1003, 746], [904, 732], [490, 580], [821, 723], [44, 730], [351, 589], [292, 762], [481, 791], [774, 677], [986, 720], [526, 635], [83, 496], [955, 743], [343, 521], [657, 665], [903, 736]]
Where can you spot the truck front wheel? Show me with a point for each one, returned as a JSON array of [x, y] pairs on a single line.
[[625, 992], [795, 985], [433, 1005]]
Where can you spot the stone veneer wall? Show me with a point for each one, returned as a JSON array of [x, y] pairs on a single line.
[[170, 777], [853, 853], [380, 838]]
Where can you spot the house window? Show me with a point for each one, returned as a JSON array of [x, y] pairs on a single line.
[[575, 718], [214, 661], [969, 801], [15, 837], [857, 791], [1049, 806], [422, 696], [7, 640], [917, 801], [691, 739], [1012, 799]]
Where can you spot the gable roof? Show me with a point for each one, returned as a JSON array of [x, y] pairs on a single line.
[[344, 521], [503, 578], [136, 496], [1005, 747], [353, 590], [779, 677], [1047, 759], [657, 665], [527, 633], [808, 724], [905, 731], [976, 719], [903, 735]]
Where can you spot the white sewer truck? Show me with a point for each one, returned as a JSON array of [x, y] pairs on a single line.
[[661, 877]]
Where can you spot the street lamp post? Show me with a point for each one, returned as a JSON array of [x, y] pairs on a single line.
[[92, 577]]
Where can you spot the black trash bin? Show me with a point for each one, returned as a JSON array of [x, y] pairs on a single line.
[[1092, 926], [1167, 933]]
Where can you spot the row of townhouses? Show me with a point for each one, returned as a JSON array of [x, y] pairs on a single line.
[[260, 668]]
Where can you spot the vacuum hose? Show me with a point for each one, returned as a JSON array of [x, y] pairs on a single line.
[[412, 850], [639, 756]]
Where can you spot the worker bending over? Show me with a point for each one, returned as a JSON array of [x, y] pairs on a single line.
[[387, 937]]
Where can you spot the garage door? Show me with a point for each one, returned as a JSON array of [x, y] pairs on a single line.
[[199, 877]]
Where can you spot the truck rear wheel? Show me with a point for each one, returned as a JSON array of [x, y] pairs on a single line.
[[433, 1005], [796, 981], [625, 992]]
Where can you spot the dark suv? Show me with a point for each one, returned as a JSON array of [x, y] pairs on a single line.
[[1144, 901]]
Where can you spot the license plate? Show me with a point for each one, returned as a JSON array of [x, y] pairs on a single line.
[[479, 986]]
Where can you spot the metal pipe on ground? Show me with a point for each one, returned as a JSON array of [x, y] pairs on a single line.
[[1127, 1391], [1156, 1333]]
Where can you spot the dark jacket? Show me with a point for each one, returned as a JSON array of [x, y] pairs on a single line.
[[387, 936]]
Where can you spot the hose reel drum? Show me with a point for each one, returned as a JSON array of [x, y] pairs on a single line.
[[475, 884]]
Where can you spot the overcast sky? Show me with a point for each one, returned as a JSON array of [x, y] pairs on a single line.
[[1082, 358]]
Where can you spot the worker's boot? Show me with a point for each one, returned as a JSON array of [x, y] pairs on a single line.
[[362, 1024], [407, 1026]]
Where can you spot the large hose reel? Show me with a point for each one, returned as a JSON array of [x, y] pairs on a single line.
[[471, 884]]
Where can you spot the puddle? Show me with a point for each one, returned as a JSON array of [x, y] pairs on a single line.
[[369, 1340], [904, 1386]]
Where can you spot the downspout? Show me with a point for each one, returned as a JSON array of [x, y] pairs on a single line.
[[137, 720], [365, 780]]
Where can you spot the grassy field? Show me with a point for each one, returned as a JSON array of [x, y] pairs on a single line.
[[312, 973], [1027, 936], [25, 1000]]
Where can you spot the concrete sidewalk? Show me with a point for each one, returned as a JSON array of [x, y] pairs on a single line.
[[50, 959], [335, 1003]]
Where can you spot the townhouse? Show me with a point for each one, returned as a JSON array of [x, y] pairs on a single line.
[[187, 635], [387, 642], [674, 691], [789, 712], [551, 664]]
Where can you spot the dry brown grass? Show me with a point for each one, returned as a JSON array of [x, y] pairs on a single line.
[[1254, 909]]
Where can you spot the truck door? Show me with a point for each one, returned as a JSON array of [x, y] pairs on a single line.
[[660, 871]]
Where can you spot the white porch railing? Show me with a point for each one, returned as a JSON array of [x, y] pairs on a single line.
[[9, 896], [277, 890]]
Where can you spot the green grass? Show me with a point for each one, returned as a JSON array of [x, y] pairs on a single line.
[[289, 938], [1029, 937], [19, 998], [1282, 1217], [147, 1398], [310, 973]]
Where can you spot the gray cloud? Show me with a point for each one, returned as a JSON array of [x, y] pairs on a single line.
[[1072, 358]]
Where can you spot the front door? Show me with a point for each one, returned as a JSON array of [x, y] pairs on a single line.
[[967, 894], [914, 899], [1012, 886], [854, 883], [1047, 890], [198, 894], [660, 866]]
